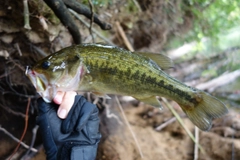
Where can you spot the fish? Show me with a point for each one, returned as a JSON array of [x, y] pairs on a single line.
[[104, 69]]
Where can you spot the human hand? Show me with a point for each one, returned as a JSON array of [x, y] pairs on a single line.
[[65, 101], [75, 137]]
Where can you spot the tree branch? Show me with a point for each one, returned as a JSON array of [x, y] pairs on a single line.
[[92, 19], [25, 129], [62, 13], [82, 9], [17, 140], [26, 15], [88, 25]]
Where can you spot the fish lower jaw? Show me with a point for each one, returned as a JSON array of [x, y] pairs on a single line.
[[49, 93], [47, 100], [46, 97]]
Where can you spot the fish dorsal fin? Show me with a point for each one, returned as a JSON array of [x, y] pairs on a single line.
[[162, 60]]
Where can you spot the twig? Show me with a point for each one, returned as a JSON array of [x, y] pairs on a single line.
[[165, 124], [89, 96], [18, 49], [38, 50], [15, 63], [19, 94], [4, 74], [219, 81], [233, 150], [88, 25], [32, 155], [126, 121], [196, 144], [182, 124], [96, 100], [137, 4], [13, 112], [92, 19], [111, 115], [8, 81], [17, 140], [124, 37], [34, 131], [26, 15], [25, 128], [81, 9], [62, 13]]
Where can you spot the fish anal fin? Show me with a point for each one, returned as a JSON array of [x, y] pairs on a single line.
[[153, 101], [102, 95], [207, 108], [161, 60]]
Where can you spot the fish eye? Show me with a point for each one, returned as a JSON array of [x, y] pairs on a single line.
[[46, 64]]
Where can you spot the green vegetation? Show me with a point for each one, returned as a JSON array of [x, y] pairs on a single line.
[[213, 17], [215, 27]]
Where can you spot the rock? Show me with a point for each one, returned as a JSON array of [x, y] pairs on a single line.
[[35, 37], [7, 38]]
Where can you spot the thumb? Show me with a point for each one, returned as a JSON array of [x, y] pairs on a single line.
[[66, 101]]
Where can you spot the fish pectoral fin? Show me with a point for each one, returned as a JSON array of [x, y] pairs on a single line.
[[102, 95], [153, 101], [162, 60]]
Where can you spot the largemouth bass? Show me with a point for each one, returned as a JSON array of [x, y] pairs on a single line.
[[103, 69]]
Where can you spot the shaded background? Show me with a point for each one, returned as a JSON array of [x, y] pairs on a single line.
[[201, 37]]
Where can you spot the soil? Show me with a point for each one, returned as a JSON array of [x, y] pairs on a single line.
[[172, 142], [20, 47]]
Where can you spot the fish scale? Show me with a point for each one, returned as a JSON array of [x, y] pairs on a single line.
[[103, 69], [138, 75]]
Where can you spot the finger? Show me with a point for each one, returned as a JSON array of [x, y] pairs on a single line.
[[67, 103], [59, 97]]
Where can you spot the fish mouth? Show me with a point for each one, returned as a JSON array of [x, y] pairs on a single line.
[[32, 76], [39, 81], [47, 89]]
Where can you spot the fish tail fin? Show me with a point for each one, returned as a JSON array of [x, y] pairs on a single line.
[[207, 108]]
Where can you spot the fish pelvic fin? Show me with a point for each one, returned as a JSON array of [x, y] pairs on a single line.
[[153, 101], [102, 95], [207, 108]]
